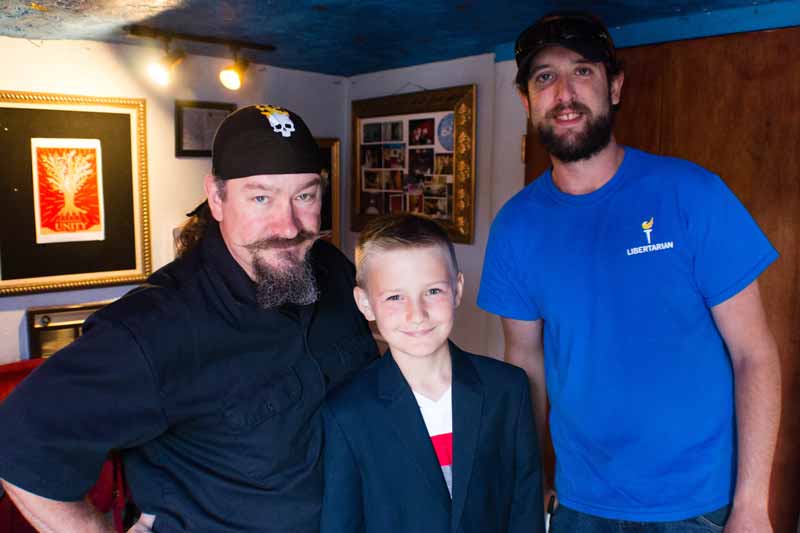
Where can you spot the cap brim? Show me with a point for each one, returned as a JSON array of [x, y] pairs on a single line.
[[586, 49]]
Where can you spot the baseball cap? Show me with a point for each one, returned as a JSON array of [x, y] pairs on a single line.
[[263, 139], [578, 31]]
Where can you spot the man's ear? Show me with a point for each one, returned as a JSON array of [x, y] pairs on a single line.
[[459, 289], [213, 195], [525, 102], [362, 302], [616, 88]]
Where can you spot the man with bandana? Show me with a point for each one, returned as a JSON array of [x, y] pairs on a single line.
[[627, 288], [209, 378]]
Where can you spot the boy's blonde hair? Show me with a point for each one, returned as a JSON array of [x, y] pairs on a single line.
[[395, 232]]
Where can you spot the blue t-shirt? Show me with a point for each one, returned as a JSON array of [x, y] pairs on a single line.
[[639, 379]]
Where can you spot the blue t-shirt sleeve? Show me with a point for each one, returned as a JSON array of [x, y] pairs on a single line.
[[505, 278], [730, 250]]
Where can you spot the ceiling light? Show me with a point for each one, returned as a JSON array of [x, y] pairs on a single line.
[[232, 76], [160, 71]]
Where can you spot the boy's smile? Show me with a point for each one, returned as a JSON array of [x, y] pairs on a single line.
[[412, 295]]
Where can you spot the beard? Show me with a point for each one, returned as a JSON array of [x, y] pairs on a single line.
[[585, 144], [295, 283]]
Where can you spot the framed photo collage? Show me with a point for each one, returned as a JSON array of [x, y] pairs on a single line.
[[407, 164], [415, 153]]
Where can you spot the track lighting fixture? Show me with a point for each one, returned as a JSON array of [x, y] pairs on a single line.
[[161, 71], [232, 76]]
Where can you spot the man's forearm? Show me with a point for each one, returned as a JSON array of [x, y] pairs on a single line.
[[51, 516], [525, 349], [756, 372], [534, 367], [758, 405]]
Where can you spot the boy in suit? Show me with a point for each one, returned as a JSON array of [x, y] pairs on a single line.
[[428, 438]]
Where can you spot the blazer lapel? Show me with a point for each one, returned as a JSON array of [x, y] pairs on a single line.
[[467, 413], [405, 418]]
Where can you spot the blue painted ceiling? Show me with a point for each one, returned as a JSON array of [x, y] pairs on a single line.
[[342, 37]]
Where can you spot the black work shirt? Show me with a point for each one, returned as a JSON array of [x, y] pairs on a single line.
[[213, 401]]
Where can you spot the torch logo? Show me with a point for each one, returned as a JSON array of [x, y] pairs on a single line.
[[647, 227]]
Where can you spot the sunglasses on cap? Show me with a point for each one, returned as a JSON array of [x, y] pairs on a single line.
[[580, 32]]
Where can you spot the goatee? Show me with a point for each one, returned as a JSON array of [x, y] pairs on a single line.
[[585, 144], [295, 284]]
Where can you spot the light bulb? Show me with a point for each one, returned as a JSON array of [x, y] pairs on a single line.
[[230, 78], [158, 73], [161, 71]]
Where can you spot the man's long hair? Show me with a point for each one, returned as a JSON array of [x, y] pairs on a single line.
[[192, 231]]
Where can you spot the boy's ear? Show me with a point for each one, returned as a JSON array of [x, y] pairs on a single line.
[[362, 302], [214, 199], [459, 289]]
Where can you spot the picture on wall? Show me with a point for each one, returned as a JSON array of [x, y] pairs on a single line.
[[372, 156], [195, 125], [421, 131], [75, 168], [420, 161], [329, 220], [67, 190], [415, 153]]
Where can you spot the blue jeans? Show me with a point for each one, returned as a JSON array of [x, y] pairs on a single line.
[[566, 520]]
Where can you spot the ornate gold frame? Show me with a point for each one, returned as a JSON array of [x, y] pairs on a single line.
[[462, 101], [334, 147], [139, 250]]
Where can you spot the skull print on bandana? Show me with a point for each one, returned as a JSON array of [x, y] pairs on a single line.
[[278, 119]]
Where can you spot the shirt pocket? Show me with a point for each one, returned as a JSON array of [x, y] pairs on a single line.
[[256, 402], [272, 432]]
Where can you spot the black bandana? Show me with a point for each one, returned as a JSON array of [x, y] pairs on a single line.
[[263, 139]]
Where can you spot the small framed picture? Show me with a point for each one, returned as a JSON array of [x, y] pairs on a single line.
[[195, 125]]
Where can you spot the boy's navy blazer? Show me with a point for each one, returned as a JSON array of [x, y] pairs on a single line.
[[382, 474]]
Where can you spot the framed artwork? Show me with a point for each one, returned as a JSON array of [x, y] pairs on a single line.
[[330, 155], [195, 125], [74, 198], [415, 153]]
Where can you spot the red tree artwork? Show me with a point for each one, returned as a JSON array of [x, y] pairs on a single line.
[[69, 196]]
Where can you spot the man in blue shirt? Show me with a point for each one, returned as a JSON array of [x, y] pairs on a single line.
[[627, 288]]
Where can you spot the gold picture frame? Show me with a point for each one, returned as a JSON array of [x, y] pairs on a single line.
[[75, 171], [330, 154], [415, 153]]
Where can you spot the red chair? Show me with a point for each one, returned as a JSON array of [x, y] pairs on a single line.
[[110, 493], [12, 373], [11, 520]]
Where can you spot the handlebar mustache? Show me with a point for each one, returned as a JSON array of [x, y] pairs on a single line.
[[278, 243]]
